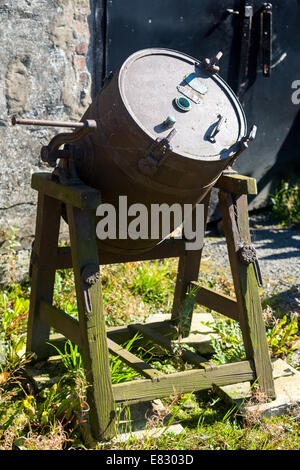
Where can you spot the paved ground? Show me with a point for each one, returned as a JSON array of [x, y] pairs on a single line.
[[278, 251]]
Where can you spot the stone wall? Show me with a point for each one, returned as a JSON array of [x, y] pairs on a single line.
[[46, 72]]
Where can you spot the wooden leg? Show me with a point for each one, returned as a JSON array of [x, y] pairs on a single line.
[[188, 271], [43, 272], [236, 228], [92, 321]]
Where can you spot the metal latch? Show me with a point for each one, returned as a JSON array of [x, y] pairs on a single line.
[[149, 164], [90, 275]]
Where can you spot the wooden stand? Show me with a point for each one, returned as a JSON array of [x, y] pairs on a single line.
[[90, 333]]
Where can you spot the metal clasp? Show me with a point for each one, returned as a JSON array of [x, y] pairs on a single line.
[[247, 254], [149, 164]]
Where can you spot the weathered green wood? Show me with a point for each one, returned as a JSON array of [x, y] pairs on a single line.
[[133, 361], [92, 325], [121, 334], [169, 248], [236, 229], [216, 301], [61, 322], [188, 270], [183, 382], [166, 343], [56, 340], [80, 196], [118, 334], [237, 184], [43, 272]]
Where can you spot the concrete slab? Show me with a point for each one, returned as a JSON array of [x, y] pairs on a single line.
[[200, 335], [287, 388], [153, 433], [137, 421], [148, 419]]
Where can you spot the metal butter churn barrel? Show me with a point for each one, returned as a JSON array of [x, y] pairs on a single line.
[[168, 126], [165, 128]]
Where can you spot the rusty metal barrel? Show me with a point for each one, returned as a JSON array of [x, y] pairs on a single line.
[[167, 127]]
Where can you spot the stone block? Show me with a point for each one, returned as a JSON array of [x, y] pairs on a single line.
[[200, 334], [287, 389]]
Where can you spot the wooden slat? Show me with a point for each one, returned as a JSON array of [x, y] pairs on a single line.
[[184, 382], [188, 270], [92, 324], [43, 273], [237, 184], [236, 228], [56, 340], [169, 248], [216, 301], [133, 361], [80, 196], [60, 321], [121, 334], [166, 343]]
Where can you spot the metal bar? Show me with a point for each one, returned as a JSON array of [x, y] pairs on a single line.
[[266, 38], [245, 47], [42, 122]]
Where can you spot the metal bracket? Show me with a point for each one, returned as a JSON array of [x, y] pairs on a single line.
[[243, 145], [247, 254], [50, 153], [90, 275], [66, 169]]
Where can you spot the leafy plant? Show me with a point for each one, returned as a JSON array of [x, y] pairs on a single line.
[[13, 315], [120, 372], [151, 282], [286, 203], [70, 357], [282, 337], [229, 347], [10, 242], [65, 399]]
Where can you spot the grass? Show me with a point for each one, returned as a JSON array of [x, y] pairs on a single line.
[[285, 203], [48, 418]]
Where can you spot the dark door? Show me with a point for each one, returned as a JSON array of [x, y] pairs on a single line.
[[260, 43]]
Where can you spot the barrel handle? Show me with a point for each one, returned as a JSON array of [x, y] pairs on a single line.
[[216, 129]]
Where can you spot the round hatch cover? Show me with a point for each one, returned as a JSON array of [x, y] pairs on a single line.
[[160, 86]]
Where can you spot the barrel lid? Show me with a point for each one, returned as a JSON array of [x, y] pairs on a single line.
[[160, 86]]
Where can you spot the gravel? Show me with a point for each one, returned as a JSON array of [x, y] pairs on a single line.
[[278, 252]]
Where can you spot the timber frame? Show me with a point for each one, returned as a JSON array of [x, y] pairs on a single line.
[[89, 331]]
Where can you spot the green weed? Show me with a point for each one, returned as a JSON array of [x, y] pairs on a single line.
[[285, 203], [282, 338], [152, 283]]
